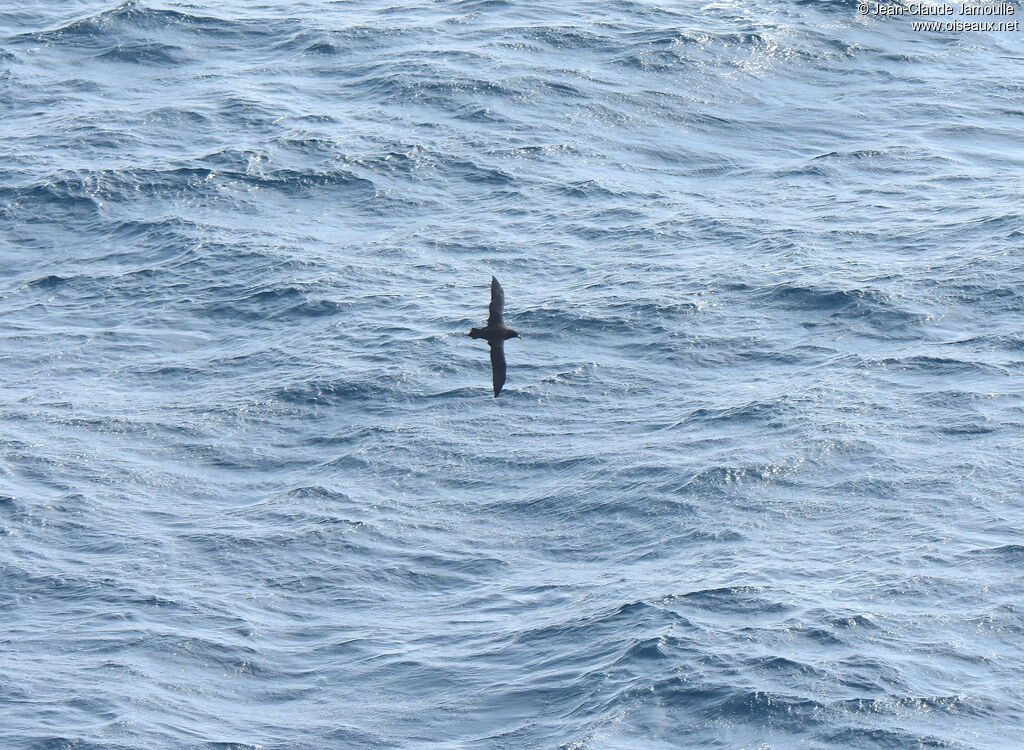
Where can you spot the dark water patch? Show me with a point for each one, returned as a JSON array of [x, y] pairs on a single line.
[[319, 492], [233, 160], [413, 579], [953, 705], [280, 302], [70, 742], [967, 428], [349, 736], [885, 739], [316, 585], [655, 60], [164, 233], [346, 439], [661, 38], [617, 513], [594, 629], [772, 709], [753, 411], [564, 38], [53, 586], [720, 701], [251, 113], [296, 182], [128, 17], [725, 481], [150, 53], [480, 115], [76, 194], [578, 323], [853, 621], [475, 173], [859, 157], [298, 524], [782, 666], [866, 675], [465, 569], [873, 488], [700, 536], [1005, 296], [310, 146], [48, 282], [424, 85], [733, 600], [250, 167], [867, 305], [1010, 554], [405, 161], [224, 546], [478, 5], [937, 366], [47, 201], [317, 308], [586, 189], [323, 48], [304, 530], [179, 116], [820, 636], [454, 394], [662, 649], [333, 392]]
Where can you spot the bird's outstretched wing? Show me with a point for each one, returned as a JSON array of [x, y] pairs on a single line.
[[498, 363], [497, 317]]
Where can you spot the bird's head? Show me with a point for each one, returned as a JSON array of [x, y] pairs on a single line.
[[512, 334]]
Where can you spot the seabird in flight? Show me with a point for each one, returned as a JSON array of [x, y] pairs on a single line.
[[496, 332]]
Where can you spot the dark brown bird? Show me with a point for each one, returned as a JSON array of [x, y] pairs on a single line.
[[496, 333]]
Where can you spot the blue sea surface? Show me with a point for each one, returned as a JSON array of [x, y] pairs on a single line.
[[755, 480]]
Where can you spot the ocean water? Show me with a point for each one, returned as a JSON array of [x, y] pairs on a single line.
[[754, 480]]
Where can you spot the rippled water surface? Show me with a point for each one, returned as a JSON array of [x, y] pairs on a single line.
[[755, 478]]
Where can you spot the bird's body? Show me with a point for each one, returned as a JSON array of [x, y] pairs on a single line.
[[496, 333]]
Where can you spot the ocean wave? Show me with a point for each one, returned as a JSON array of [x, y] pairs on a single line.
[[865, 304], [131, 15], [151, 53], [752, 478], [333, 392], [1006, 553]]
